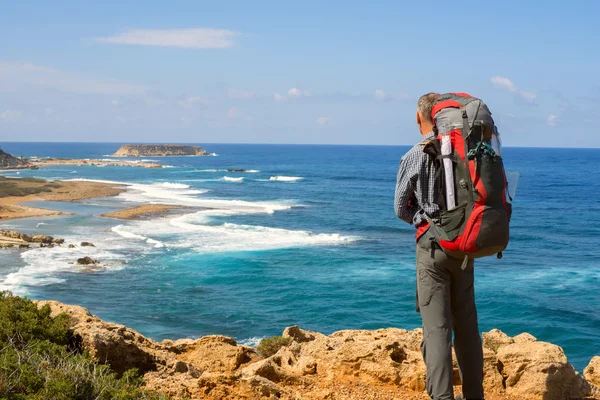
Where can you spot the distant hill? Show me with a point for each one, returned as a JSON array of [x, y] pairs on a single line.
[[8, 161], [159, 150]]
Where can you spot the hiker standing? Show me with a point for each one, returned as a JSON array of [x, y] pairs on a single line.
[[460, 214]]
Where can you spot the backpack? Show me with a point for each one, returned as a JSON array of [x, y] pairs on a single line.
[[467, 161]]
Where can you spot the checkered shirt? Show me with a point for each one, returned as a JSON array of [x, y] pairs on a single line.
[[415, 186]]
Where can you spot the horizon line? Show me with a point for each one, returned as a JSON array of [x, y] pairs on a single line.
[[287, 144]]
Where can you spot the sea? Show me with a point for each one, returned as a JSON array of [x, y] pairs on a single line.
[[307, 236]]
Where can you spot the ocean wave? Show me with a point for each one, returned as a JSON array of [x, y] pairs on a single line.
[[159, 193], [196, 232], [286, 178], [231, 179], [42, 265], [121, 231]]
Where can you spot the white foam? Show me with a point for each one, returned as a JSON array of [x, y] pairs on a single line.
[[44, 264], [123, 232], [286, 178], [40, 224], [173, 185], [73, 172], [231, 179], [197, 232], [251, 342]]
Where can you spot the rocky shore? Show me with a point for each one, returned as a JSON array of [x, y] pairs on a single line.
[[351, 364], [159, 150], [44, 162]]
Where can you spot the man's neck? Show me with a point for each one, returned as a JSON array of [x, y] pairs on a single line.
[[426, 129]]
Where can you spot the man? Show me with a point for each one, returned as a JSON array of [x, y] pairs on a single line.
[[445, 294]]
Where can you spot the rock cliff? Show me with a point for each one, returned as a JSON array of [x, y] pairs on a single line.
[[359, 364], [159, 150], [8, 161]]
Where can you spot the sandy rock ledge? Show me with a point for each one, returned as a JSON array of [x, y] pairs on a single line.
[[349, 364]]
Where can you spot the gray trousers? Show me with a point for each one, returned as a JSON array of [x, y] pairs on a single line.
[[446, 300]]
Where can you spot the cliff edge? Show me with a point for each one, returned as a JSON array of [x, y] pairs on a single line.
[[159, 150], [349, 364]]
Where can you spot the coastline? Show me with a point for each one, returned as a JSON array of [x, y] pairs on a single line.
[[348, 364], [11, 205]]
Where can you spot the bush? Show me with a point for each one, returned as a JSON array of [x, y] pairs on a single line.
[[37, 361], [269, 346]]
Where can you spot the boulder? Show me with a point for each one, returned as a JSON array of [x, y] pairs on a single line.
[[87, 244], [42, 239], [58, 241], [71, 246], [87, 261], [538, 370]]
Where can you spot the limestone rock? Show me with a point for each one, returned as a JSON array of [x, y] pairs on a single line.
[[592, 372], [539, 370], [120, 347], [42, 239], [15, 235], [350, 364], [87, 244]]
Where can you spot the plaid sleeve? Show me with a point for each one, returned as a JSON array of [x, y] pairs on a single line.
[[405, 202]]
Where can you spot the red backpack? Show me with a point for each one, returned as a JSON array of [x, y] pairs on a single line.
[[474, 212]]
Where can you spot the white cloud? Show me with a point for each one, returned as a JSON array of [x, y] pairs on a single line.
[[552, 120], [295, 92], [14, 76], [292, 93], [240, 94], [505, 83], [380, 94], [322, 120], [196, 38], [10, 115]]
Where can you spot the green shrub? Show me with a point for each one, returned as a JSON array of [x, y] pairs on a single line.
[[269, 346], [37, 362]]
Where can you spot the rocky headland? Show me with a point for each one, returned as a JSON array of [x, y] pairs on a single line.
[[159, 150], [8, 161], [350, 364]]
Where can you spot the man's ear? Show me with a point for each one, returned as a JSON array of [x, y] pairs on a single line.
[[419, 118]]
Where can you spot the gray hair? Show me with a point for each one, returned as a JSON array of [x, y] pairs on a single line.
[[425, 104]]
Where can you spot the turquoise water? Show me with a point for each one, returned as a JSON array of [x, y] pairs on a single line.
[[325, 251]]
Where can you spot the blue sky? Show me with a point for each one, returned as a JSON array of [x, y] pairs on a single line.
[[293, 72]]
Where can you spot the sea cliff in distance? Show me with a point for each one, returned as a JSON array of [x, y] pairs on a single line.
[[159, 150]]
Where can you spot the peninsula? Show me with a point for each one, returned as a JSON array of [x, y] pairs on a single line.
[[159, 150]]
